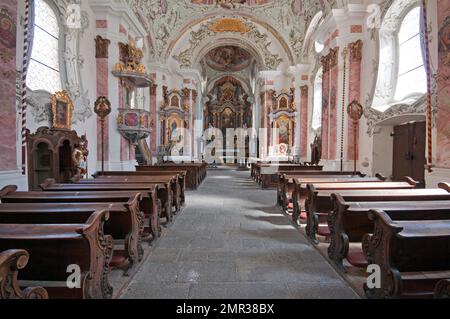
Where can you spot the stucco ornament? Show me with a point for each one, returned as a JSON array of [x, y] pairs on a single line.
[[74, 22], [200, 38], [166, 19]]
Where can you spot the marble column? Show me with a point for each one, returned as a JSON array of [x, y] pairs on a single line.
[[443, 89], [102, 74], [354, 93], [333, 116], [8, 129], [153, 119], [194, 95], [304, 121], [325, 104]]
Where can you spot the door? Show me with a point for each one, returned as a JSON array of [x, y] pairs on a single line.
[[409, 151]]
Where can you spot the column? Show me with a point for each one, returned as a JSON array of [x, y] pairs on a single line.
[[325, 104], [443, 109], [333, 100], [355, 49], [102, 74], [304, 120], [8, 129], [153, 119]]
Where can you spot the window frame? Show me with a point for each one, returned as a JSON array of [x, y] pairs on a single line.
[[61, 44], [386, 81], [414, 95]]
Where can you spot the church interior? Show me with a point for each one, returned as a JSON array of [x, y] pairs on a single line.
[[222, 149]]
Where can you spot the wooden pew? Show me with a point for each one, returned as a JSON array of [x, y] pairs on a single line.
[[125, 223], [11, 261], [149, 203], [406, 246], [442, 289], [267, 175], [319, 204], [163, 190], [176, 182], [53, 248], [195, 172], [300, 191], [348, 223], [286, 186], [181, 175]]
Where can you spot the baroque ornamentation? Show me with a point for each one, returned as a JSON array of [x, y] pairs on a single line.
[[229, 25], [289, 19], [356, 50], [373, 116], [186, 58], [101, 47]]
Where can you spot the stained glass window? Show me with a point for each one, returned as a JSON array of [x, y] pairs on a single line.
[[411, 71], [43, 69], [317, 104]]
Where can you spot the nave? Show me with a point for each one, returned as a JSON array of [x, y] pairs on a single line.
[[232, 241]]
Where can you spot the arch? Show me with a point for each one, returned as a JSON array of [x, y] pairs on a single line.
[[250, 38], [313, 26], [229, 41], [235, 79]]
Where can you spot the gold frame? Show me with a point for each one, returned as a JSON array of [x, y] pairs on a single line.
[[63, 97]]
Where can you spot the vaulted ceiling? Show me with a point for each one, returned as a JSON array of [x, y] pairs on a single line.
[[287, 20]]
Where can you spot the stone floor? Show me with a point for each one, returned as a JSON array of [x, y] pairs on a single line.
[[232, 241]]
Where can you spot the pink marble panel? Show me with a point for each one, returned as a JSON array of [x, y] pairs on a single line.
[[443, 116], [153, 146], [325, 112], [354, 94], [334, 73], [304, 122], [356, 28], [8, 158], [102, 90], [101, 24], [335, 34], [122, 29]]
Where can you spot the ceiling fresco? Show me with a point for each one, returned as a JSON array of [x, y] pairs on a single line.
[[165, 20], [228, 58]]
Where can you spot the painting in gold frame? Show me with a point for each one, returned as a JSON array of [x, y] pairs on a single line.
[[62, 108]]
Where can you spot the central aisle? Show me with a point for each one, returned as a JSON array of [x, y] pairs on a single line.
[[231, 241]]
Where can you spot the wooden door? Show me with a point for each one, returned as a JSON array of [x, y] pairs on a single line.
[[409, 151]]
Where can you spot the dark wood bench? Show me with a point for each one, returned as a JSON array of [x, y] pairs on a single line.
[[442, 289], [286, 186], [319, 204], [179, 175], [53, 248], [125, 223], [163, 190], [300, 191], [177, 184], [348, 222], [195, 172], [149, 203], [403, 247], [267, 175], [11, 261]]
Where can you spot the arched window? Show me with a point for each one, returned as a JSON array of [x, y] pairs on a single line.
[[411, 76], [401, 71], [317, 103], [44, 67]]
